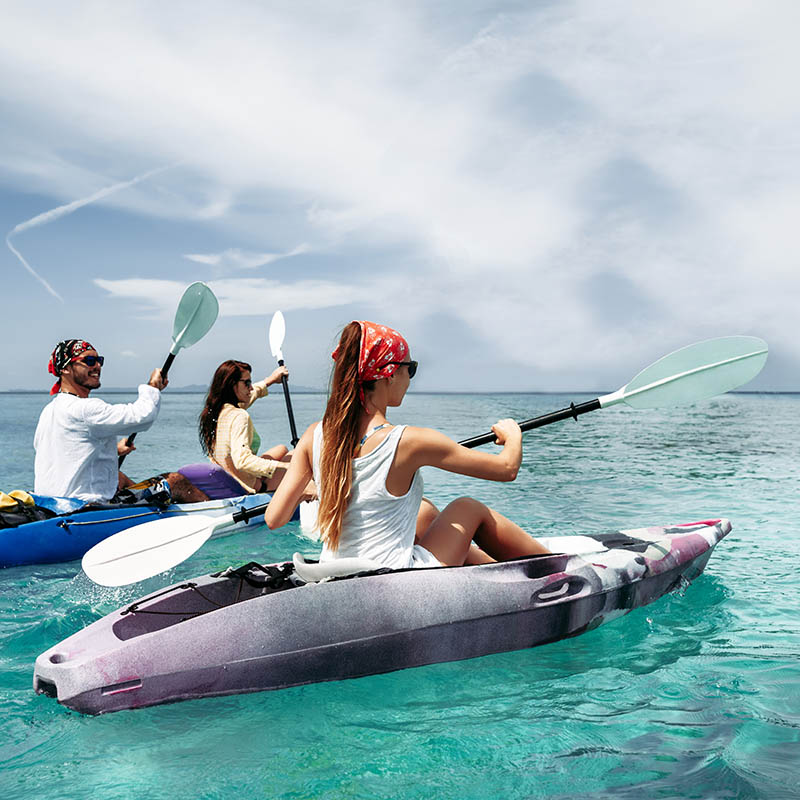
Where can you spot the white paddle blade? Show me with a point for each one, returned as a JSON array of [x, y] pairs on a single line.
[[696, 372], [277, 333], [196, 313], [145, 550]]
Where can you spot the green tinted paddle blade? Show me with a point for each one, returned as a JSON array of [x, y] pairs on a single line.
[[196, 313], [697, 372]]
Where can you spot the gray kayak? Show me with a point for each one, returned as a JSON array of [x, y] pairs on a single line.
[[270, 627]]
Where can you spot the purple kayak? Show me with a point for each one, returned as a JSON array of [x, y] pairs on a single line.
[[269, 627]]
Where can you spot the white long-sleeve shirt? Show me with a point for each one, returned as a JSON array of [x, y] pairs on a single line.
[[76, 442]]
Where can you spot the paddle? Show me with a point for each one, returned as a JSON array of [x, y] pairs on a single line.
[[693, 373], [688, 375], [145, 550], [196, 313], [277, 333]]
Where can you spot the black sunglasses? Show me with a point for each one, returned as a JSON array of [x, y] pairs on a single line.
[[412, 366], [90, 361], [248, 383]]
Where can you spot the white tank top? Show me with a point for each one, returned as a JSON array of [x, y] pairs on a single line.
[[377, 524]]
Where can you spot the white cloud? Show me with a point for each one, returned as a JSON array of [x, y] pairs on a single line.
[[240, 297], [235, 259], [153, 296], [32, 271], [69, 208], [255, 296]]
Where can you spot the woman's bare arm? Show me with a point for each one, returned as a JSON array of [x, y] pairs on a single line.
[[423, 447], [291, 488]]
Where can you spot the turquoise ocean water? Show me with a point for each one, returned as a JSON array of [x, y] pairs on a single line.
[[696, 695]]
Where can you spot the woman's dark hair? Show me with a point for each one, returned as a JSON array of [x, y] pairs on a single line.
[[221, 391], [340, 431]]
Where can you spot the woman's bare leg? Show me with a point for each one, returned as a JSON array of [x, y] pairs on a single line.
[[427, 515], [476, 556], [503, 539], [425, 518], [277, 453], [450, 536]]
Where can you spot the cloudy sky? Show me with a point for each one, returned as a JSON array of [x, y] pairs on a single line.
[[540, 195]]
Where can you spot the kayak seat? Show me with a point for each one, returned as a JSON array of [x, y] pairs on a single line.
[[314, 572], [213, 480]]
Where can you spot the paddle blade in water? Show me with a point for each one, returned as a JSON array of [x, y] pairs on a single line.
[[196, 313], [145, 550], [696, 372], [277, 333]]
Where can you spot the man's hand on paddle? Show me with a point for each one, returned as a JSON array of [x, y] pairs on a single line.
[[123, 448], [157, 380]]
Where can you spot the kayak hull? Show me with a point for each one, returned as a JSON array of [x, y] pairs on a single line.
[[260, 638], [68, 537]]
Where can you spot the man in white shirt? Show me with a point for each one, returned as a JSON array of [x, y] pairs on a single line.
[[76, 438]]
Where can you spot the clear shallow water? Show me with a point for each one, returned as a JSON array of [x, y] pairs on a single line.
[[694, 696]]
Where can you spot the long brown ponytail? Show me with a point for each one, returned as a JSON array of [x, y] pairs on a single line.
[[340, 427]]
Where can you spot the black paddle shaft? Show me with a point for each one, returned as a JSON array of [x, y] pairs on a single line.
[[246, 514], [164, 371], [285, 382], [538, 422], [529, 424]]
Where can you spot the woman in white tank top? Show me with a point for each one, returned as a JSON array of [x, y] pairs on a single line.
[[367, 471]]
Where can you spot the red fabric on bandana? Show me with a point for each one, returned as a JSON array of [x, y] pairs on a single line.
[[64, 353], [380, 345]]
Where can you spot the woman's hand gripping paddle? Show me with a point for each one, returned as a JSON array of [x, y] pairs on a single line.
[[689, 375], [277, 333], [196, 313]]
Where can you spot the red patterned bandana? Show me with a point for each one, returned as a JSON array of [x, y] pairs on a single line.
[[65, 352], [381, 348]]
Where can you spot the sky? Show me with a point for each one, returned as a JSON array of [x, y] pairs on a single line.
[[541, 196]]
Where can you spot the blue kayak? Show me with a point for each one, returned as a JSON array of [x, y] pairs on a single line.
[[69, 535]]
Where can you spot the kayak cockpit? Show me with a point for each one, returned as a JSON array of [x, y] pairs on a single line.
[[185, 601]]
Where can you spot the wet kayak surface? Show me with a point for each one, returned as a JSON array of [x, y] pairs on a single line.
[[693, 695]]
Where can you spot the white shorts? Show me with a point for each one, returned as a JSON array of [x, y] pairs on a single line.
[[420, 557]]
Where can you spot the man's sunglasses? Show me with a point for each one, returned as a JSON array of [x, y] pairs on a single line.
[[90, 361], [412, 367]]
